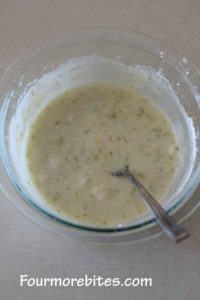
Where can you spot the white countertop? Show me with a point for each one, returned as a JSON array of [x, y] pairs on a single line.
[[25, 248]]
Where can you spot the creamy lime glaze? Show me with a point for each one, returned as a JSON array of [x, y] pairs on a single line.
[[86, 133]]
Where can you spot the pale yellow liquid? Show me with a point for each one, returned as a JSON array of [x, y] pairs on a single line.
[[88, 132]]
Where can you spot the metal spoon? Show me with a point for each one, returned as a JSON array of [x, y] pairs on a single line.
[[168, 225]]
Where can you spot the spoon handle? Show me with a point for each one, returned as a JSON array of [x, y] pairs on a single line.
[[167, 223]]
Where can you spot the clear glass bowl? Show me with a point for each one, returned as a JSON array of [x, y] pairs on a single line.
[[131, 48]]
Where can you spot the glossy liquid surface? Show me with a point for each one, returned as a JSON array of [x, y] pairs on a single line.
[[82, 136]]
